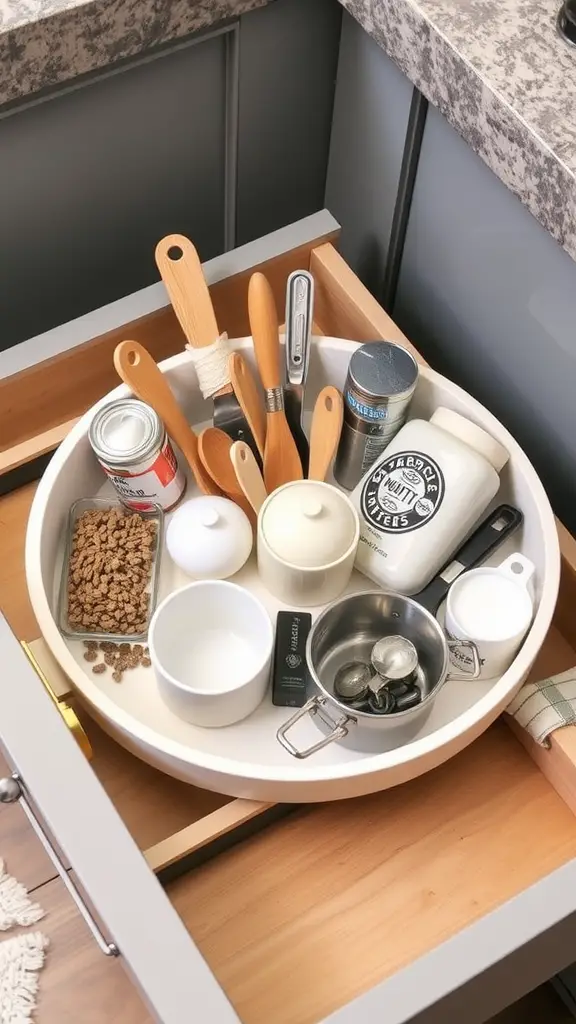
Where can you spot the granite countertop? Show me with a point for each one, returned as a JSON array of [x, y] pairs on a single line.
[[496, 69], [46, 42], [503, 77]]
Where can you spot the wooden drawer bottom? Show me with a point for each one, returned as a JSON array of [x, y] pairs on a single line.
[[320, 907]]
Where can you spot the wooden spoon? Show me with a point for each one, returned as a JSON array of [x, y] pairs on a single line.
[[214, 450], [325, 431], [249, 398], [248, 474], [136, 367], [281, 459]]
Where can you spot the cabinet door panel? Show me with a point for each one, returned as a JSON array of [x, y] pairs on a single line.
[[370, 117], [92, 178], [288, 59], [490, 299]]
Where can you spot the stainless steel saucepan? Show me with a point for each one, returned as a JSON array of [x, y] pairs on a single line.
[[346, 632]]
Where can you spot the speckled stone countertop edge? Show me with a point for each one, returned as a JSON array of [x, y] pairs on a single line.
[[56, 47], [47, 43], [493, 129]]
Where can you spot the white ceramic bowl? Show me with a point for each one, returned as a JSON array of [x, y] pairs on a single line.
[[211, 647]]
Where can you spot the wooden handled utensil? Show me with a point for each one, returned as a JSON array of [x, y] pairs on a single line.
[[181, 271], [136, 367], [214, 450], [325, 431], [182, 274], [250, 399], [281, 459], [248, 474]]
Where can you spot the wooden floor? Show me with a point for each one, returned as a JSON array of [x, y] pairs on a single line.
[[331, 874]]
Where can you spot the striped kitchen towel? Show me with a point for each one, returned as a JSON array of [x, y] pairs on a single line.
[[543, 707]]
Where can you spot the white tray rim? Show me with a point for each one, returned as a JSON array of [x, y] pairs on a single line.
[[451, 737]]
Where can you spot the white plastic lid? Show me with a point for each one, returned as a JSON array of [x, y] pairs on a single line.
[[471, 435], [309, 524]]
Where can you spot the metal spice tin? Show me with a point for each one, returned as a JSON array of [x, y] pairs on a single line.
[[382, 378], [131, 445]]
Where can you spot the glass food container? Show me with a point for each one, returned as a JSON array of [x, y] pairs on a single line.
[[105, 504]]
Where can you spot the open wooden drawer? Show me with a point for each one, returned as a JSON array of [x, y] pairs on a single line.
[[441, 900]]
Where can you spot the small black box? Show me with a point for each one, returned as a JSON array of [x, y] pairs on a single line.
[[290, 672]]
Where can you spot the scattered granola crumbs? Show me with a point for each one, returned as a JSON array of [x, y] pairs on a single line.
[[118, 657]]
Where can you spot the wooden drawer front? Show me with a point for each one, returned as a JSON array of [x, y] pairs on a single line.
[[318, 908]]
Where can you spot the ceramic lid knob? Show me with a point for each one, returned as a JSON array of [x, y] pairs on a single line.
[[312, 508], [309, 524], [209, 537], [209, 516]]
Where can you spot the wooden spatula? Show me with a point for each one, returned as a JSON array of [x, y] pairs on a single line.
[[138, 370], [249, 397], [325, 431], [281, 459], [248, 474], [181, 271], [182, 274]]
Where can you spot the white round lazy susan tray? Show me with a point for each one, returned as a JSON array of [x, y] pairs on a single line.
[[246, 759]]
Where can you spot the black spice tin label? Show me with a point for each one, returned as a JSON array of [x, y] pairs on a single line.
[[403, 493], [290, 671]]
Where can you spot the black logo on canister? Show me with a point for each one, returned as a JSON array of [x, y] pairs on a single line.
[[403, 493]]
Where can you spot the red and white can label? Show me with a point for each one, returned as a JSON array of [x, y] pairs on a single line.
[[154, 481]]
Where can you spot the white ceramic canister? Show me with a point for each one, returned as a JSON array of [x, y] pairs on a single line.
[[307, 538], [422, 496], [493, 607]]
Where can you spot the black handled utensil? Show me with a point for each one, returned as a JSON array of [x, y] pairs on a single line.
[[498, 525]]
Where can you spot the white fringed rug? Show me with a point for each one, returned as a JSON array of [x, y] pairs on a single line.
[[16, 907], [20, 960], [22, 957]]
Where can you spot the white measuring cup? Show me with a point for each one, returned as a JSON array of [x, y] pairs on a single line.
[[493, 607]]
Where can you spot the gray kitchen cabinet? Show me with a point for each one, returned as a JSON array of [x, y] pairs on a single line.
[[223, 137], [489, 298], [371, 110], [288, 62], [92, 177]]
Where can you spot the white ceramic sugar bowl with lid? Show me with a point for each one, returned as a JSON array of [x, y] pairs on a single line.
[[308, 533], [209, 537]]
